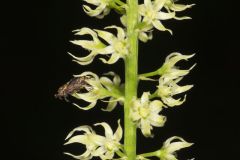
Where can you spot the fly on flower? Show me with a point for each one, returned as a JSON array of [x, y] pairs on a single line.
[[75, 85]]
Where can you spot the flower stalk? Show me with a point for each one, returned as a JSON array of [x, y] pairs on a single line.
[[131, 79]]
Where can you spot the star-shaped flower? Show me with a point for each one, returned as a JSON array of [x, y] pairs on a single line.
[[103, 7], [167, 152], [146, 114], [101, 88], [96, 145], [116, 47]]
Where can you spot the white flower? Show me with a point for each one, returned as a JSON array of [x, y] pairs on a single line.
[[101, 88], [170, 5], [167, 152], [152, 13], [116, 47], [170, 69], [96, 145], [145, 114], [112, 141], [170, 76], [103, 7], [167, 88], [90, 139]]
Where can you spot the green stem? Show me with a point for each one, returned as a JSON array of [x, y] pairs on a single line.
[[150, 154], [150, 74], [131, 79]]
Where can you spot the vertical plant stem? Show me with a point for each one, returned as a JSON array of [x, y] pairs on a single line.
[[131, 72]]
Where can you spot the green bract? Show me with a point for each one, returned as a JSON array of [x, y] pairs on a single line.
[[96, 145], [145, 114], [116, 47]]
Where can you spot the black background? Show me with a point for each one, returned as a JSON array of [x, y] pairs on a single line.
[[35, 38]]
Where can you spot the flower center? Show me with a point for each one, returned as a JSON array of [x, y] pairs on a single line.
[[120, 47], [144, 112]]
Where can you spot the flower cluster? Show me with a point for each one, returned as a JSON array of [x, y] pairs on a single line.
[[167, 152], [170, 76], [153, 12], [96, 145], [101, 88], [103, 7], [116, 47], [145, 114]]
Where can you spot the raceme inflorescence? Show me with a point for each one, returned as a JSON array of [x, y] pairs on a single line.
[[144, 112]]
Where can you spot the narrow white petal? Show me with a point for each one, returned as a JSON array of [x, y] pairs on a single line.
[[78, 139], [107, 128], [84, 128], [120, 32], [157, 24], [165, 16], [107, 36], [119, 132], [146, 128], [90, 106]]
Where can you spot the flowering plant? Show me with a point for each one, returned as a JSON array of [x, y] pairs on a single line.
[[139, 20]]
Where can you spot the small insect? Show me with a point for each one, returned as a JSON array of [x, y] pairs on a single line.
[[75, 85]]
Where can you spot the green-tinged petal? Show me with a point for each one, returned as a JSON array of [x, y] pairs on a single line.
[[107, 50], [120, 32], [84, 128], [157, 24], [119, 132], [88, 73], [113, 59], [148, 4], [107, 128], [112, 103], [165, 16], [107, 36], [123, 20], [106, 83], [156, 106], [141, 10], [99, 151], [181, 89], [87, 31], [90, 106], [175, 57], [83, 62], [145, 98], [87, 58], [158, 120], [180, 7], [85, 156], [94, 12], [173, 102], [182, 18], [135, 116], [158, 4], [88, 97], [146, 128], [93, 2], [143, 37], [96, 139], [175, 146], [83, 139]]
